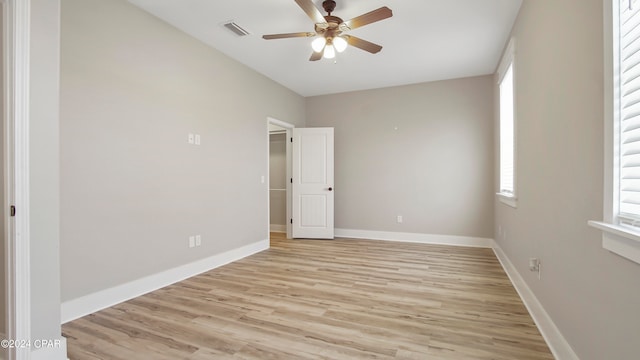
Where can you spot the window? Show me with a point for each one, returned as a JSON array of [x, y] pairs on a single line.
[[621, 225], [506, 192]]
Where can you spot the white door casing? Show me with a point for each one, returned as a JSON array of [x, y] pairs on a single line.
[[313, 193], [16, 43], [289, 129]]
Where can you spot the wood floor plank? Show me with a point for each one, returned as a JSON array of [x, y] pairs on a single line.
[[315, 299]]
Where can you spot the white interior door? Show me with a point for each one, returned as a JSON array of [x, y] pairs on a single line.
[[312, 180]]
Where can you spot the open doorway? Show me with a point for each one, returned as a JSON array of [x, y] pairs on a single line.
[[277, 179], [279, 133]]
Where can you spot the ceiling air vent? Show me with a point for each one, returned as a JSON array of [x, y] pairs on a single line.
[[236, 28]]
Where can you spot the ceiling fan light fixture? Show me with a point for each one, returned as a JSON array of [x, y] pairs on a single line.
[[329, 28], [339, 43], [329, 52], [318, 44]]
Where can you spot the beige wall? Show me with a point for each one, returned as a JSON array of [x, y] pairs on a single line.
[[435, 170], [133, 189], [277, 176], [591, 294], [44, 171]]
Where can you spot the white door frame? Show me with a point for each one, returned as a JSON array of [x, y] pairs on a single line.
[[289, 129], [16, 42]]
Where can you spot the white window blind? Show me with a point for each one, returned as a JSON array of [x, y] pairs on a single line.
[[629, 112], [506, 133]]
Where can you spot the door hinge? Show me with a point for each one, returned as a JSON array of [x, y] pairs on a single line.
[[291, 139], [291, 180], [291, 221], [12, 210]]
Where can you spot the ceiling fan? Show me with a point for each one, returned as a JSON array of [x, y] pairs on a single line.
[[330, 30]]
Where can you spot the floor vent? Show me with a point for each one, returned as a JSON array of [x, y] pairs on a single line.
[[237, 29]]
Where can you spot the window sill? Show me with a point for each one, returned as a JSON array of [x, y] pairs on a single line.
[[619, 239], [508, 199]]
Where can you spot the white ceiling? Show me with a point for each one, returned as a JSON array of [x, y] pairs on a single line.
[[425, 40]]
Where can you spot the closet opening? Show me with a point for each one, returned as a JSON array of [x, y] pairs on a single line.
[[280, 134]]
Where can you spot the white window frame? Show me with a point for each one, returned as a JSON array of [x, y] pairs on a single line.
[[508, 61], [618, 238]]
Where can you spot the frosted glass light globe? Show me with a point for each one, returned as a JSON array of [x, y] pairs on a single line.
[[339, 43], [318, 44], [329, 52]]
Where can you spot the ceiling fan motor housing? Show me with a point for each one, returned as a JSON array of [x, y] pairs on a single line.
[[331, 28]]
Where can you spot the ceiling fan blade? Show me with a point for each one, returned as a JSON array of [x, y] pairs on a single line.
[[311, 10], [316, 56], [363, 44], [368, 18], [288, 35]]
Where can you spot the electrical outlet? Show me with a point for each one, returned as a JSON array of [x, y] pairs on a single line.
[[399, 219], [198, 240], [192, 241]]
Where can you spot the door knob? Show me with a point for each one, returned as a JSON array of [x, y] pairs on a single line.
[[330, 188]]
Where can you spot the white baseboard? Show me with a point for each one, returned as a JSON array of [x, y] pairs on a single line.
[[278, 228], [557, 343], [85, 305], [415, 237], [50, 349]]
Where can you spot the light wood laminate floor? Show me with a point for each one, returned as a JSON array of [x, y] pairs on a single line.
[[324, 299]]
